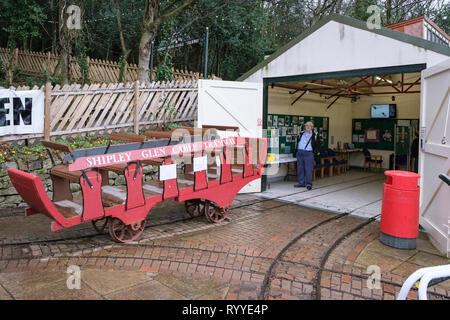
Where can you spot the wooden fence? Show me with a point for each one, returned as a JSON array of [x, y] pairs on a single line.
[[100, 71], [104, 108]]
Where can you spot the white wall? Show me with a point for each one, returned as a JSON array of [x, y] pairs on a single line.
[[338, 47]]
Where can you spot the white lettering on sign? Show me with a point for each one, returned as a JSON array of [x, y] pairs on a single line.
[[153, 153], [108, 159], [21, 112], [161, 152]]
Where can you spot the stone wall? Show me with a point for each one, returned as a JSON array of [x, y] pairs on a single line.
[[40, 165]]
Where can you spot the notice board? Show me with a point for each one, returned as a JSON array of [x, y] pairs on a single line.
[[283, 131], [378, 134]]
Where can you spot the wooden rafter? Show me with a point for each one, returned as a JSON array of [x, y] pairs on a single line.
[[298, 98], [413, 84], [329, 106]]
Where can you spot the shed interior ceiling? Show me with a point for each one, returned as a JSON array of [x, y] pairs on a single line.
[[355, 87]]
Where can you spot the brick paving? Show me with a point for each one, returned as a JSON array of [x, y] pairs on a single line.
[[268, 249]]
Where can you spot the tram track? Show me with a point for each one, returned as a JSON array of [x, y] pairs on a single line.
[[265, 289], [277, 259], [279, 198], [211, 265], [50, 248]]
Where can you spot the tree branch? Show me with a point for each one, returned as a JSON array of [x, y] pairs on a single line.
[[170, 6], [178, 10]]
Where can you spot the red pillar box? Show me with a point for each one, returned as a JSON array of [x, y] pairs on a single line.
[[400, 210]]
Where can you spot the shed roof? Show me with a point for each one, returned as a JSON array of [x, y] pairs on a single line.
[[415, 41]]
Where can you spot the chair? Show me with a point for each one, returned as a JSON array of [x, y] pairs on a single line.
[[371, 158], [325, 163], [335, 162], [317, 165], [343, 162]]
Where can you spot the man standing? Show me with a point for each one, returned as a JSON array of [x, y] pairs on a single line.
[[307, 146]]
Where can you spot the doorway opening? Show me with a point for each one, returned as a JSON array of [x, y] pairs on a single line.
[[368, 122]]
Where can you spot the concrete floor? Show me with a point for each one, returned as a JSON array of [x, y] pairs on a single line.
[[356, 192]]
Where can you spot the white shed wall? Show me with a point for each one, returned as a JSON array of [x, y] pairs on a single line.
[[339, 47]]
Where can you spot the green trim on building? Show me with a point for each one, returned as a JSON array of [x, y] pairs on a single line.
[[353, 23], [349, 73]]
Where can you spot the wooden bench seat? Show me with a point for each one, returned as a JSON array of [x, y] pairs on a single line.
[[70, 208], [62, 171], [116, 195]]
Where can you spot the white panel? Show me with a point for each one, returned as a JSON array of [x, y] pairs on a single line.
[[434, 158], [30, 100], [168, 172], [229, 103], [200, 164], [337, 47]]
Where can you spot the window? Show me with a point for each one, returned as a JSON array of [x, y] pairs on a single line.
[[434, 36]]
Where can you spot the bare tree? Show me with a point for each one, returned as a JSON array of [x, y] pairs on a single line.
[[67, 37], [125, 52], [154, 15]]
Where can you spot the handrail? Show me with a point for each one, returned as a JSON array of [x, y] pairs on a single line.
[[424, 275], [445, 178]]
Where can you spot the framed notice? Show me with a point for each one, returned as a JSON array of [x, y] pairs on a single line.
[[372, 135]]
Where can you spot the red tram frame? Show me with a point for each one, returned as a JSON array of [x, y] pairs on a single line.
[[130, 216]]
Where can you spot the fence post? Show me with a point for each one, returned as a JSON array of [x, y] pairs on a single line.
[[88, 63], [49, 62], [136, 107], [16, 57], [47, 102]]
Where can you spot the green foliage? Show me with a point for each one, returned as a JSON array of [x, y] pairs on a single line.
[[173, 125], [241, 31], [442, 17], [81, 53], [2, 74], [165, 65], [236, 41], [54, 80], [359, 10], [164, 73], [21, 19]]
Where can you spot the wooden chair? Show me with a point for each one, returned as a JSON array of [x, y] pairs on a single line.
[[371, 158], [335, 162]]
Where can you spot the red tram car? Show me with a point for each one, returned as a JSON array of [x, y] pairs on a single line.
[[218, 169]]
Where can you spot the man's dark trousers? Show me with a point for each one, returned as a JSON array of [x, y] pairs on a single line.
[[305, 167]]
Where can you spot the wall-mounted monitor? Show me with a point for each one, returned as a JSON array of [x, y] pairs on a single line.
[[383, 110]]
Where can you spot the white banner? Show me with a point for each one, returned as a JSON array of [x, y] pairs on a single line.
[[21, 112]]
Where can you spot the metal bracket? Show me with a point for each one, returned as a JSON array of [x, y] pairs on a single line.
[[83, 173], [138, 165]]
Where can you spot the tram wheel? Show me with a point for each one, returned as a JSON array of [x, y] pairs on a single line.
[[125, 233], [101, 225], [195, 207], [214, 213]]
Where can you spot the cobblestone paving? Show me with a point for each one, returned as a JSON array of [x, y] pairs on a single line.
[[266, 250]]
